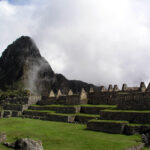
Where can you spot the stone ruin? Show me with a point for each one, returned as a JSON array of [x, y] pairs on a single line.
[[52, 94], [125, 111], [83, 96], [70, 92]]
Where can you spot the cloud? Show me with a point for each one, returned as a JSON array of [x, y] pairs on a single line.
[[96, 41]]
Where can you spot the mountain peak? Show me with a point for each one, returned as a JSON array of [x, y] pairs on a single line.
[[23, 46], [22, 66]]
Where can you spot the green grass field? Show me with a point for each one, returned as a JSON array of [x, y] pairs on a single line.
[[64, 136]]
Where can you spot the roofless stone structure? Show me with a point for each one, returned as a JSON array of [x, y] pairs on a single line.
[[59, 93], [103, 89], [70, 92], [142, 87], [52, 94], [148, 88], [115, 88], [110, 88], [91, 90]]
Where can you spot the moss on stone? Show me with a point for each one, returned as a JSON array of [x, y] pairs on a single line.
[[109, 121], [55, 106], [49, 112], [126, 111], [87, 115], [100, 106]]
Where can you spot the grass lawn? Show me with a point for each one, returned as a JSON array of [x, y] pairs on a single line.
[[64, 136]]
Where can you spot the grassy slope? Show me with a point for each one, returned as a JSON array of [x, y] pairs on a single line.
[[64, 136]]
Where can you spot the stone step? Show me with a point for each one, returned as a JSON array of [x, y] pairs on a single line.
[[95, 109], [140, 117], [109, 126]]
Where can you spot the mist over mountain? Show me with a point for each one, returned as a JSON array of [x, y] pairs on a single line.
[[23, 67]]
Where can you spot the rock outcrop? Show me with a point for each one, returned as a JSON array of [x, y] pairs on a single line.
[[25, 144], [23, 67]]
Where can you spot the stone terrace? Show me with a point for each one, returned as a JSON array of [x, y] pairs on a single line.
[[110, 110], [132, 114]]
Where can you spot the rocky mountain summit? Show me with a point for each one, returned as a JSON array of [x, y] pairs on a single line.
[[23, 67]]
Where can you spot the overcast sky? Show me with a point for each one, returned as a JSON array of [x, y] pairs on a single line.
[[97, 41]]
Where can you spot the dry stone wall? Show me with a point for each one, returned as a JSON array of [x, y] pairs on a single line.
[[134, 101], [110, 127], [103, 98], [132, 117]]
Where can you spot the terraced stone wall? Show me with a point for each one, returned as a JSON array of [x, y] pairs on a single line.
[[61, 100], [103, 98], [16, 107], [125, 100], [131, 116], [33, 99], [22, 100], [134, 101], [16, 100], [47, 101], [111, 127]]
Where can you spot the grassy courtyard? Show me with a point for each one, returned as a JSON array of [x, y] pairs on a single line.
[[64, 136]]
